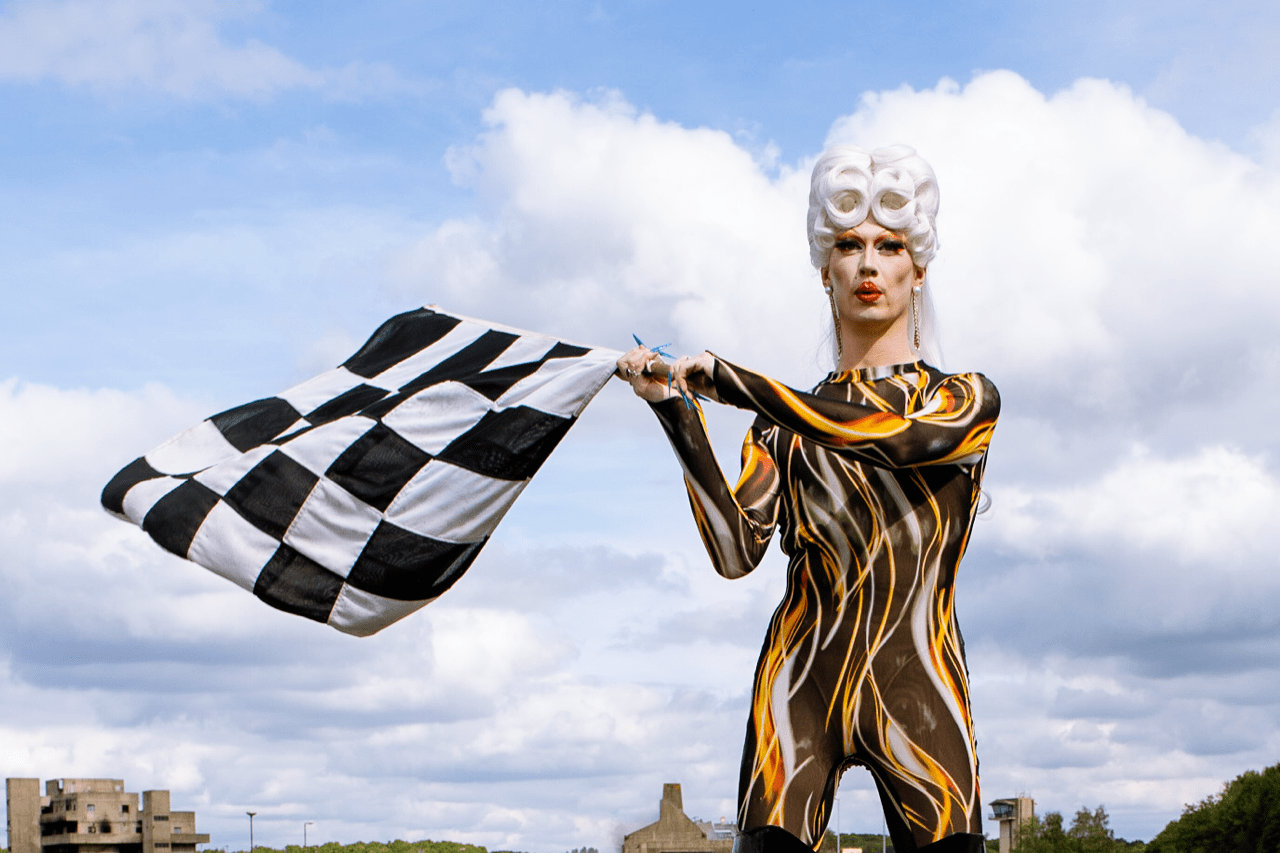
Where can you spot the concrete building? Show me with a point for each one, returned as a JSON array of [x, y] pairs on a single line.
[[675, 832], [1012, 814], [95, 816]]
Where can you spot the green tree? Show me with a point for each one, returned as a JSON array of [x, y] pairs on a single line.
[[1043, 836], [1089, 833], [1244, 818]]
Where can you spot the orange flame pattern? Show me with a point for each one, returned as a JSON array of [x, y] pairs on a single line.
[[872, 480]]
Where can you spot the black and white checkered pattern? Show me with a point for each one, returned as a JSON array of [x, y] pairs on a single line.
[[363, 494]]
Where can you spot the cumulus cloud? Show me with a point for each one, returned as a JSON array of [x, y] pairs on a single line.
[[603, 221], [1101, 264], [1098, 261], [159, 671], [169, 46]]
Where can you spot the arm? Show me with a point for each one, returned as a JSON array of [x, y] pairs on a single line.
[[736, 524], [950, 423]]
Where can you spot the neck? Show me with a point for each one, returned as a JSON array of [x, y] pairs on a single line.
[[861, 348]]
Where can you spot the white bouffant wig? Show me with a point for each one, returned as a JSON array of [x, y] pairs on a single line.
[[897, 188]]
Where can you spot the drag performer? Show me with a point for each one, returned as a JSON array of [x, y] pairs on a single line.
[[873, 479]]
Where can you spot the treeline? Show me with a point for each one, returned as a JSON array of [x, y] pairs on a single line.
[[396, 846], [1243, 818], [869, 842]]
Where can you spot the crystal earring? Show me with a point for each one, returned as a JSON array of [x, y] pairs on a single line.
[[835, 323], [915, 318]]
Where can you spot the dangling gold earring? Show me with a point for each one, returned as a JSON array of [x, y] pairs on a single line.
[[835, 323], [915, 318]]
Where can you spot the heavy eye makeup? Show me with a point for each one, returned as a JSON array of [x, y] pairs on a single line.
[[886, 246]]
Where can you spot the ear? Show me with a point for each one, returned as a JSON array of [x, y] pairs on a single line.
[[826, 276], [920, 271]]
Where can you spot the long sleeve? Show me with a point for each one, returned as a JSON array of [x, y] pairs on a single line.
[[736, 524], [946, 422]]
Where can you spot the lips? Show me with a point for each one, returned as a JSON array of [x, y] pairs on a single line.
[[868, 292]]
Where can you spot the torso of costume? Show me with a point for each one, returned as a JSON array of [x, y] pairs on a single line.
[[873, 480]]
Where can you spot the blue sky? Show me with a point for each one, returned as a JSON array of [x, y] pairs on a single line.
[[204, 203]]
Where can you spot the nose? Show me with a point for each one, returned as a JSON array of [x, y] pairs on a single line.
[[866, 262]]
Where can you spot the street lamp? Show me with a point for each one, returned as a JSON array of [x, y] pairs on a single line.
[[251, 814], [304, 832]]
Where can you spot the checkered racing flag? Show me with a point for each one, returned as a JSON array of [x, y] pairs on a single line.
[[359, 496]]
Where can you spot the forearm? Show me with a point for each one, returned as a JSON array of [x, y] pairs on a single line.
[[735, 524]]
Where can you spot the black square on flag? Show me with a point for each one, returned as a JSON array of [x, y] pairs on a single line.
[[376, 466], [401, 565], [252, 424], [298, 585], [509, 444], [271, 493]]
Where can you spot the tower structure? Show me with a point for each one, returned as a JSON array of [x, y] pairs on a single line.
[[675, 832], [1013, 814]]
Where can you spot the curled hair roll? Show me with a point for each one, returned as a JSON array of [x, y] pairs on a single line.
[[894, 185]]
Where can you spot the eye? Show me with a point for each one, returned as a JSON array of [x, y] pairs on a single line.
[[892, 247], [849, 245]]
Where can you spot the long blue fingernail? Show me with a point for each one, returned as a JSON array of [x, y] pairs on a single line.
[[636, 338]]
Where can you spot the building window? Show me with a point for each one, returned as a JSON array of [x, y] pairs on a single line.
[[161, 817], [89, 808], [162, 843], [124, 808]]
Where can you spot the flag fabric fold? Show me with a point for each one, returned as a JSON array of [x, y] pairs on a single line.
[[361, 495]]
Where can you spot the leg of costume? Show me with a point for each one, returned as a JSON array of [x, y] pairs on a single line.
[[817, 708], [961, 842], [769, 839]]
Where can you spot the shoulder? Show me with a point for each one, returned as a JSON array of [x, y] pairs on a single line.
[[984, 392], [970, 389]]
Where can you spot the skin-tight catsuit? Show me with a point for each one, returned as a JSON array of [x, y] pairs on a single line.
[[873, 478]]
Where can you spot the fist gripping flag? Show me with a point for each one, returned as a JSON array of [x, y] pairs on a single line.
[[359, 496]]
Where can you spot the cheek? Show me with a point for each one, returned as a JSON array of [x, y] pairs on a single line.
[[841, 270], [904, 270]]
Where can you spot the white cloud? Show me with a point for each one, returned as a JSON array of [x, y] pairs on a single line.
[[607, 222], [1144, 502], [161, 673], [1087, 227], [1098, 262], [170, 46]]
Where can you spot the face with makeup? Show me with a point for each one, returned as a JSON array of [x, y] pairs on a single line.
[[871, 273]]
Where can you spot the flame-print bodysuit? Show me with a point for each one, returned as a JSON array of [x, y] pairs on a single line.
[[873, 479]]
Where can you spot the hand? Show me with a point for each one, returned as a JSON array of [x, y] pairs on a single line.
[[692, 374], [634, 367]]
